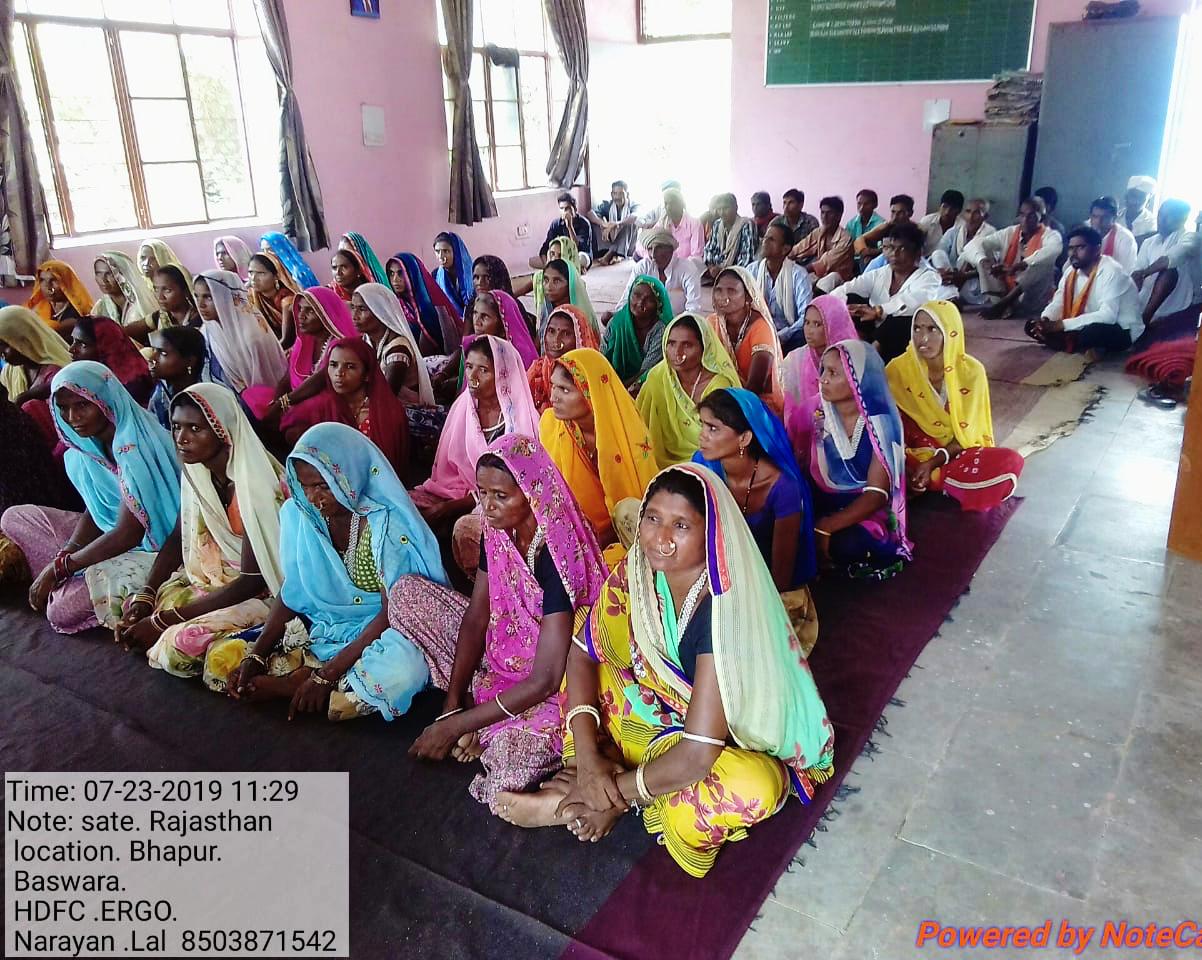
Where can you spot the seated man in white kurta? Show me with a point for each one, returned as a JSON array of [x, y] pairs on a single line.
[[1018, 263]]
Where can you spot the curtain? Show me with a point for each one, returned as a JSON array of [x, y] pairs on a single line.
[[470, 198], [300, 193], [24, 226], [571, 36]]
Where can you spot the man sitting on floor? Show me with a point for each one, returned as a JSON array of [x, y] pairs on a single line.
[[955, 257], [785, 285], [680, 275], [882, 302], [569, 224], [826, 251], [1167, 269], [1137, 213], [1018, 263], [796, 219], [672, 216], [901, 210], [616, 225], [1117, 241], [935, 225], [1095, 309], [733, 241], [866, 219], [762, 212]]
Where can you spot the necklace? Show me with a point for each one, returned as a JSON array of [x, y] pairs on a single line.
[[352, 543], [743, 329], [750, 483], [536, 542], [696, 384], [689, 607], [359, 410]]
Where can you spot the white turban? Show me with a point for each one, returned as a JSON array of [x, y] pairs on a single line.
[[1143, 184]]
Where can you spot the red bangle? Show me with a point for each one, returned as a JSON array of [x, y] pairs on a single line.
[[62, 567]]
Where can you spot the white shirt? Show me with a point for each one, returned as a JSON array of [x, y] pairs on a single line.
[[1125, 247], [959, 249], [1112, 299], [996, 244], [788, 318], [932, 230], [1182, 250], [1144, 224], [683, 280], [920, 287]]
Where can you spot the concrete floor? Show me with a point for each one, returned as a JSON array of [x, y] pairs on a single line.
[[1047, 763]]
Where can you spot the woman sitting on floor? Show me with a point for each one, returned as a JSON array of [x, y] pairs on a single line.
[[319, 318], [436, 323], [231, 253], [695, 364], [240, 339], [746, 445], [557, 285], [32, 354], [347, 534], [179, 359], [350, 273], [378, 317], [127, 296], [857, 463], [743, 323], [495, 401], [177, 303], [567, 329], [490, 273], [826, 321], [122, 463], [943, 396], [596, 437], [688, 696], [634, 337], [270, 289], [543, 572], [60, 297], [153, 254], [495, 313], [454, 270], [357, 243], [217, 572], [355, 393], [104, 340]]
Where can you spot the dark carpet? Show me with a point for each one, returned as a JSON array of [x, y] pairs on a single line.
[[432, 874]]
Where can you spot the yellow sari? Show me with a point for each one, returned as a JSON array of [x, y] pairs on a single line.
[[624, 463], [667, 408], [968, 416]]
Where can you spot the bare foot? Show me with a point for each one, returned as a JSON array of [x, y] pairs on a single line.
[[530, 809], [592, 826], [468, 748], [264, 687]]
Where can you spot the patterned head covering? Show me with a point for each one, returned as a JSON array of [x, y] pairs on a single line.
[[801, 366], [968, 416], [237, 249], [143, 475], [513, 324], [385, 307], [76, 293], [622, 347], [539, 372], [440, 322], [290, 257], [335, 315], [130, 280], [456, 284], [241, 340], [367, 256]]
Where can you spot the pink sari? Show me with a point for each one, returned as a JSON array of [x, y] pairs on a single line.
[[307, 354], [463, 440], [802, 368], [513, 322]]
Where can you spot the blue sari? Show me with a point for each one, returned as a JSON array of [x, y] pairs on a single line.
[[163, 396], [771, 435], [457, 284], [143, 475], [391, 670], [290, 257]]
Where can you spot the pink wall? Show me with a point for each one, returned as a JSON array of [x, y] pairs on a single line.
[[838, 139], [395, 195]]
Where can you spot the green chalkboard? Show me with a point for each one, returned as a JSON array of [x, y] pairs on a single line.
[[895, 41]]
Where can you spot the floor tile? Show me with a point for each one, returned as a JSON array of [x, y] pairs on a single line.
[[1112, 526], [1135, 868], [783, 934], [1021, 796]]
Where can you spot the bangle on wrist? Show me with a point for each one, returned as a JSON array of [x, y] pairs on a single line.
[[577, 711], [321, 681], [505, 710], [640, 784], [947, 457], [449, 713], [821, 532], [262, 661]]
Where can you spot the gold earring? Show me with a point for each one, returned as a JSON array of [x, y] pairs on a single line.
[[742, 451]]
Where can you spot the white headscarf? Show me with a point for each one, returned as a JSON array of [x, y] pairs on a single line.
[[382, 302], [1143, 183], [240, 338], [256, 475]]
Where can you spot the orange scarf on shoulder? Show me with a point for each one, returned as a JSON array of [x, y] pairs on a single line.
[[1028, 249]]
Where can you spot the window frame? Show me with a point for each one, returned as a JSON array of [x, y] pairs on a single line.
[[643, 37], [134, 164], [489, 152]]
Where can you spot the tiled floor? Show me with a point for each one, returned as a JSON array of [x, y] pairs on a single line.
[[1047, 763]]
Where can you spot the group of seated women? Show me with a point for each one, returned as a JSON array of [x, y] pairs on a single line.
[[604, 562]]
